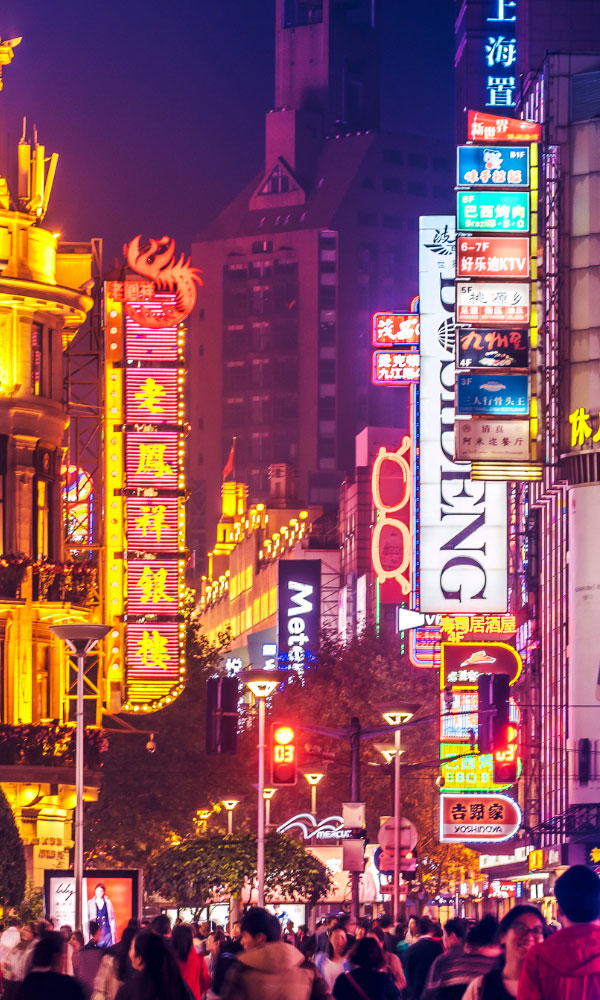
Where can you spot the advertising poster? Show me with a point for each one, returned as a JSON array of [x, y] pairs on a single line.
[[492, 394], [481, 348], [492, 257], [116, 893], [497, 128], [491, 303], [462, 530], [481, 440], [493, 211], [298, 612], [584, 649], [395, 329], [395, 367], [492, 166]]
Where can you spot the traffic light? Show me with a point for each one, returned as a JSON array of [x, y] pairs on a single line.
[[283, 754], [408, 861], [506, 755], [221, 715], [493, 712]]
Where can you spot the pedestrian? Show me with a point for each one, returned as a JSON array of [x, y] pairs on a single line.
[[392, 963], [412, 933], [47, 981], [18, 961], [334, 961], [420, 957], [115, 967], [447, 977], [567, 965], [215, 941], [367, 979], [268, 967], [191, 965], [86, 961], [161, 925], [519, 930], [156, 975]]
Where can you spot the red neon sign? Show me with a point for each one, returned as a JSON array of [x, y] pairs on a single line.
[[152, 523], [152, 459], [153, 651], [492, 128], [395, 367], [152, 586], [492, 257], [157, 262], [391, 541], [151, 396], [395, 329]]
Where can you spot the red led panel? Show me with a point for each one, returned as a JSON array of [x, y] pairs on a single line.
[[151, 459], [395, 329], [152, 587], [395, 367], [143, 343], [152, 523], [151, 395], [152, 651], [492, 257]]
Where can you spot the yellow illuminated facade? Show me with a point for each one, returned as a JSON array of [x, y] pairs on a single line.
[[43, 302]]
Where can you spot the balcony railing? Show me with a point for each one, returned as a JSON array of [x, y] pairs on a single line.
[[63, 582], [50, 746]]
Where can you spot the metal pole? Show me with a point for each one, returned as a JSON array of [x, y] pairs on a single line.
[[267, 813], [260, 847], [313, 800], [79, 734], [397, 821], [354, 797], [230, 821]]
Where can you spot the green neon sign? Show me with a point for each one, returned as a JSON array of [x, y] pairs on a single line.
[[493, 211]]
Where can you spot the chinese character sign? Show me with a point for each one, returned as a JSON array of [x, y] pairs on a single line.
[[395, 367], [395, 330], [492, 303], [493, 211], [480, 440], [492, 257], [472, 818], [391, 541], [501, 348], [492, 128], [492, 166], [493, 393]]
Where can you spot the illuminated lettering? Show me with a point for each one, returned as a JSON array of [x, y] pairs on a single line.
[[151, 519], [152, 460], [152, 649], [152, 583], [151, 395]]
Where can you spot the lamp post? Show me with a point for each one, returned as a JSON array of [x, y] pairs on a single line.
[[230, 805], [395, 715], [80, 639], [268, 794], [313, 778], [262, 683]]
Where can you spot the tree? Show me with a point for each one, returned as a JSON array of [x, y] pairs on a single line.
[[32, 905], [12, 858], [194, 871]]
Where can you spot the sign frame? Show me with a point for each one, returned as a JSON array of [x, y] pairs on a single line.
[[491, 211], [486, 394], [479, 160], [480, 256]]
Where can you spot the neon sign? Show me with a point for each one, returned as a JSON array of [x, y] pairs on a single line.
[[500, 54], [392, 493], [144, 473], [395, 367], [395, 329]]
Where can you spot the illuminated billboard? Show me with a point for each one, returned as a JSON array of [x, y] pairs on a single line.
[[493, 211], [489, 166], [391, 539], [498, 128], [492, 393], [492, 257], [298, 612], [504, 348], [395, 330], [144, 473], [395, 367], [491, 303], [462, 528]]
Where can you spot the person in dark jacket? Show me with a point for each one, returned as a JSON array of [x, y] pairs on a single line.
[[367, 980], [86, 961], [45, 982], [519, 930], [567, 965], [157, 975], [420, 957]]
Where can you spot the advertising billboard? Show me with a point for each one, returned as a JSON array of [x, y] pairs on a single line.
[[492, 166], [475, 818], [481, 348], [120, 890], [492, 257], [395, 367], [298, 612], [480, 440], [492, 393], [462, 528], [395, 330], [491, 303], [497, 128], [493, 211]]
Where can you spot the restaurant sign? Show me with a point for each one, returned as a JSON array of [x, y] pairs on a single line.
[[495, 128], [481, 348], [478, 818], [491, 304], [489, 166], [484, 440], [493, 211], [492, 394]]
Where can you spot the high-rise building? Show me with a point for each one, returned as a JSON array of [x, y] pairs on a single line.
[[295, 266]]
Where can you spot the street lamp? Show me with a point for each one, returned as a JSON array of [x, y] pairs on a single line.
[[395, 715], [268, 794], [262, 683], [313, 778], [230, 805], [80, 639]]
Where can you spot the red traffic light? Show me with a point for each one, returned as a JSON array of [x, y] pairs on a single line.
[[283, 755]]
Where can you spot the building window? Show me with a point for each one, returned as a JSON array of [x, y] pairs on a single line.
[[235, 375], [392, 156], [327, 242], [262, 300], [234, 411], [326, 447], [367, 218], [327, 371], [262, 246], [261, 373], [327, 294], [278, 182], [416, 187], [260, 446], [42, 499], [260, 410], [260, 269], [37, 358], [417, 160], [299, 13], [261, 336]]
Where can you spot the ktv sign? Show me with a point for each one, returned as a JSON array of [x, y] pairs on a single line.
[[462, 530]]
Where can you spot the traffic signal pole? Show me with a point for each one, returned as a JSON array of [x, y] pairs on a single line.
[[260, 847], [354, 797]]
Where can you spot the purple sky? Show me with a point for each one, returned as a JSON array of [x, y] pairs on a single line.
[[157, 109]]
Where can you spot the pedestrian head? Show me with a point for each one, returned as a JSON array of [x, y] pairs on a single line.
[[155, 961], [99, 892], [519, 930], [577, 893], [27, 933], [377, 933], [412, 925], [425, 926], [65, 932], [483, 936], [454, 932], [48, 952], [367, 953], [236, 930], [339, 942], [182, 940], [259, 927], [161, 925], [94, 930], [385, 921], [214, 942], [77, 940]]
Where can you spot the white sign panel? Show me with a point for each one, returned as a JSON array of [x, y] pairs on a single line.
[[492, 440], [462, 530]]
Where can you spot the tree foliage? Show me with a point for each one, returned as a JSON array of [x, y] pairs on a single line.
[[194, 871], [12, 858]]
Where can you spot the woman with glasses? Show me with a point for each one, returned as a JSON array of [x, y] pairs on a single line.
[[519, 930]]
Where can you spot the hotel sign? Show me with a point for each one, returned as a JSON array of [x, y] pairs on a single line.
[[493, 211], [492, 257]]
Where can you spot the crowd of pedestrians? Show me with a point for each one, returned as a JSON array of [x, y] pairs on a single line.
[[370, 959]]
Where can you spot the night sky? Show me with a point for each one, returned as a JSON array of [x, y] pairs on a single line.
[[157, 110]]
